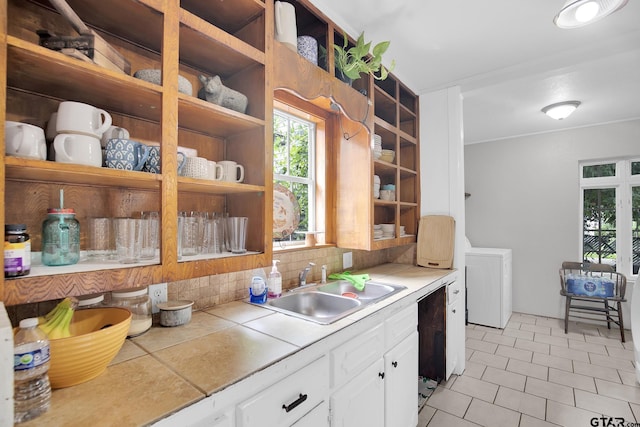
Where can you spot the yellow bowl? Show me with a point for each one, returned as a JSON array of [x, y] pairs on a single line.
[[97, 336]]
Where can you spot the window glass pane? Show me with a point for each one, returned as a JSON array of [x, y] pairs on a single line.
[[596, 171], [635, 228], [599, 225], [299, 141], [635, 168]]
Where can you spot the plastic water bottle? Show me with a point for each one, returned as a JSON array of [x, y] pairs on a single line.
[[32, 390]]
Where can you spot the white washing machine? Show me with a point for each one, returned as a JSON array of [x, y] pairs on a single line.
[[489, 293]]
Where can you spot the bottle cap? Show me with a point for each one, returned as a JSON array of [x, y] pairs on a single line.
[[29, 322], [60, 211]]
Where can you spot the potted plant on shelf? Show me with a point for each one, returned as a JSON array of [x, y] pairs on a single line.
[[357, 60]]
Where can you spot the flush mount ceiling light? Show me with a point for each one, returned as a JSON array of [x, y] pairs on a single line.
[[577, 13], [561, 110]]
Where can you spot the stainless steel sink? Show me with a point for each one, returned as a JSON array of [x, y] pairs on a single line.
[[372, 292], [319, 307]]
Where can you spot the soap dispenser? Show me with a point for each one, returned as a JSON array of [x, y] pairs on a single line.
[[275, 281]]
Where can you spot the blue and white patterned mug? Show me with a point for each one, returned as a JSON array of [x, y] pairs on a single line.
[[153, 162], [126, 154]]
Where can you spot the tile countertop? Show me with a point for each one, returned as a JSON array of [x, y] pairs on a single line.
[[167, 369]]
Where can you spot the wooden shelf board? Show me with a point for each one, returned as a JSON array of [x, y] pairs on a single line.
[[230, 16], [382, 167], [45, 171], [199, 115], [194, 185], [406, 173]]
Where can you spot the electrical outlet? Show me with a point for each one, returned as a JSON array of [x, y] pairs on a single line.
[[347, 260], [157, 293]]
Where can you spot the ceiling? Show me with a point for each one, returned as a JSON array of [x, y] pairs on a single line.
[[508, 58]]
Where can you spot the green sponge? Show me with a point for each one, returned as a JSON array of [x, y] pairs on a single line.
[[358, 280]]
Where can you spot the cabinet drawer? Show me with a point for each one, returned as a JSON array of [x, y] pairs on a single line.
[[353, 356], [453, 291], [401, 324], [288, 400]]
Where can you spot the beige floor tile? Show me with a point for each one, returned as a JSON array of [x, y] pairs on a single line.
[[475, 388], [449, 401], [588, 347], [467, 354], [551, 322], [528, 421], [553, 361], [611, 362], [448, 383], [443, 419], [613, 333], [636, 411], [568, 416], [488, 329], [577, 381], [475, 334], [425, 415], [551, 391], [499, 339], [523, 318], [628, 378], [514, 353], [489, 359], [473, 369], [620, 353], [474, 344], [618, 391], [512, 324], [604, 405], [587, 329], [537, 347], [521, 402], [628, 344], [568, 353], [571, 336], [553, 340], [517, 333], [545, 330], [604, 341], [528, 369], [596, 371], [504, 378], [487, 414]]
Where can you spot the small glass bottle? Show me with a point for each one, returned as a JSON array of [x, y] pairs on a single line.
[[137, 301], [17, 250], [60, 237]]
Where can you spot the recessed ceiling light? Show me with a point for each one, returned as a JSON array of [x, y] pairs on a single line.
[[561, 110], [576, 13]]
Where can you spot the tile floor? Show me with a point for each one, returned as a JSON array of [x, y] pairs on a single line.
[[532, 374]]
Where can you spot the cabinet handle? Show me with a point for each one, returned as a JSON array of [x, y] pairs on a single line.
[[395, 364], [295, 403], [453, 311], [381, 375], [456, 292]]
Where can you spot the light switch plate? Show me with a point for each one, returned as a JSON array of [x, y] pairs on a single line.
[[347, 260], [157, 293]]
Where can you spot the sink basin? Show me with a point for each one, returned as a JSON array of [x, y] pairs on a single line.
[[319, 307], [372, 292]]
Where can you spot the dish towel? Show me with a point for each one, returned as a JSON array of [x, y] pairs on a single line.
[[358, 280]]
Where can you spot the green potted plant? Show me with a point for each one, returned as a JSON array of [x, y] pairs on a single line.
[[357, 60]]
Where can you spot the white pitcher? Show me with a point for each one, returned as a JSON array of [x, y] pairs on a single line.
[[286, 31]]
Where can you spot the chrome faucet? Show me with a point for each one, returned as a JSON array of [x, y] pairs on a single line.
[[303, 274]]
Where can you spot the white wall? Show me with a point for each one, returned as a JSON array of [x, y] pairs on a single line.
[[525, 196]]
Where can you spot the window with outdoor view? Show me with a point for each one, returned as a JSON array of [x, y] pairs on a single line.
[[610, 193], [294, 147]]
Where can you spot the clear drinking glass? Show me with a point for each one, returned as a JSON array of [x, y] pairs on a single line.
[[128, 239], [102, 244], [237, 226], [150, 229]]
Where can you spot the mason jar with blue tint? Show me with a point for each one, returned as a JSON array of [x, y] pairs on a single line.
[[60, 237]]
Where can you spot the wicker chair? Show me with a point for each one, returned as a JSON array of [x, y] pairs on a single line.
[[609, 304]]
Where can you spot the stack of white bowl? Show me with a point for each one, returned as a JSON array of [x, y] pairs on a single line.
[[377, 231], [376, 187], [402, 231], [377, 146], [387, 155], [388, 230]]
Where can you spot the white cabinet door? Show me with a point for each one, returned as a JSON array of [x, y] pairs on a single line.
[[361, 401], [401, 384], [318, 417], [453, 331]]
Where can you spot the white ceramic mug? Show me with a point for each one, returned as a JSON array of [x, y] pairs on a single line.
[[52, 129], [24, 140], [112, 133], [215, 171], [76, 117], [231, 170], [285, 19], [195, 167], [78, 149]]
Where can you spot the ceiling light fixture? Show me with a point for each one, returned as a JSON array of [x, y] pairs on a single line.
[[561, 110], [577, 13]]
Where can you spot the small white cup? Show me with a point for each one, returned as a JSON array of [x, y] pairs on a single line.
[[76, 117], [215, 171], [231, 170], [25, 140], [387, 195], [112, 133], [78, 149], [195, 167]]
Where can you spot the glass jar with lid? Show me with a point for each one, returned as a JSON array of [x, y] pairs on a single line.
[[60, 237], [91, 301], [137, 301]]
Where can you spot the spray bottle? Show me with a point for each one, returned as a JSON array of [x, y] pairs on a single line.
[[275, 281]]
